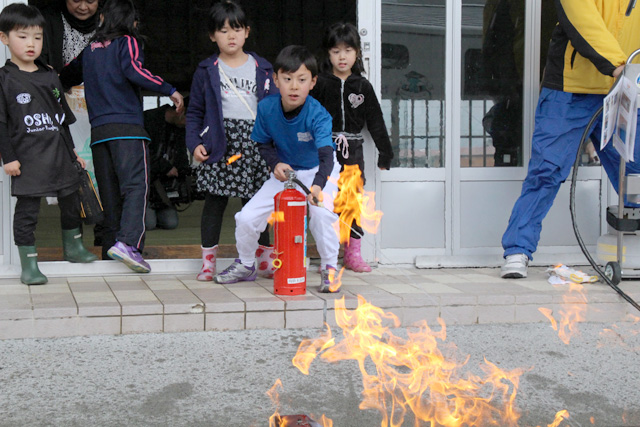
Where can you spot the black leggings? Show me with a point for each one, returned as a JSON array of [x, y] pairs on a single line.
[[211, 224], [25, 218]]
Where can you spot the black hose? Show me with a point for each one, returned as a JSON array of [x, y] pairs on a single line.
[[572, 208]]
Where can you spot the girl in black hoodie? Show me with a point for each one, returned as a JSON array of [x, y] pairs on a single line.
[[352, 103]]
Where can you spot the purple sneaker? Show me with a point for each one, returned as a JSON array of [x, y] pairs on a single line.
[[236, 272], [130, 256], [327, 277]]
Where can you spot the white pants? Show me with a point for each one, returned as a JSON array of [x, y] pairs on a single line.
[[253, 217]]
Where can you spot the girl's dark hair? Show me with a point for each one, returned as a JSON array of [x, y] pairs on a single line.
[[341, 32], [226, 10], [293, 57], [118, 18], [17, 16]]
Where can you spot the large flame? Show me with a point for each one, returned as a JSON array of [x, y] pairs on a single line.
[[354, 204], [571, 312], [412, 375]]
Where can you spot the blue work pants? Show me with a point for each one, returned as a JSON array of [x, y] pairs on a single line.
[[560, 121]]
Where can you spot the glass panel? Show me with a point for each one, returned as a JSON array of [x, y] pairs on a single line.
[[413, 61], [493, 58]]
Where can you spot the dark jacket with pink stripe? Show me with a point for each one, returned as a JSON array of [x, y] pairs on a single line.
[[113, 74]]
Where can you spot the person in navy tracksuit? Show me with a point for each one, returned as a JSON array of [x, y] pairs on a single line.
[[113, 73]]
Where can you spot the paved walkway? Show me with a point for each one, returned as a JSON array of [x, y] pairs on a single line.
[[135, 303]]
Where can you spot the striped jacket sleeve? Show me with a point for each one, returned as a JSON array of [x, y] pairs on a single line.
[[131, 61], [587, 30]]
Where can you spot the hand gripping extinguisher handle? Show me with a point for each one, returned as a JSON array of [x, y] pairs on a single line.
[[291, 176]]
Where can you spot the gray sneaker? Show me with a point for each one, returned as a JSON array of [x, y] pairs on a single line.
[[236, 272], [515, 267], [325, 280]]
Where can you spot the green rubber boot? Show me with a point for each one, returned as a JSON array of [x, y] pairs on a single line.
[[73, 249], [31, 274]]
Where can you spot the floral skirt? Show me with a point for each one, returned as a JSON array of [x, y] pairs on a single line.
[[241, 171]]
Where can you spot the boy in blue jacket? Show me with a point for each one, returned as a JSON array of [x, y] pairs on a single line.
[[294, 133]]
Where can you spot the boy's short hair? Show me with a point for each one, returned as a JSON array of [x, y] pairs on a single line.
[[293, 57], [17, 16], [226, 10]]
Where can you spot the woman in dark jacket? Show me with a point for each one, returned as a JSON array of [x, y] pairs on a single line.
[[70, 25]]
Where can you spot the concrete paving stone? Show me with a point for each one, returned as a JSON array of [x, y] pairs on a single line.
[[459, 315], [16, 329], [537, 298], [14, 289], [219, 300], [133, 277], [93, 297], [399, 288], [385, 279], [437, 288], [183, 322], [570, 298], [604, 295], [136, 308], [102, 325], [606, 312], [477, 278], [85, 279], [264, 320], [350, 299], [105, 308], [382, 300], [16, 311], [137, 285], [496, 314], [178, 301], [55, 310], [224, 321], [458, 299], [56, 328], [529, 314], [420, 300], [412, 316], [142, 324], [142, 295], [165, 285], [196, 284], [447, 278], [255, 291], [89, 287], [304, 319], [535, 285], [496, 299], [55, 288], [302, 302], [271, 303]]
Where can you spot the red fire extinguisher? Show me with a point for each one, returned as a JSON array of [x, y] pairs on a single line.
[[290, 230]]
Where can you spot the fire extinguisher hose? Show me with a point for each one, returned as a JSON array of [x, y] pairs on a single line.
[[572, 209]]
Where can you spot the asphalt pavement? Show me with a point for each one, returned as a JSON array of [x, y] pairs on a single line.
[[220, 378]]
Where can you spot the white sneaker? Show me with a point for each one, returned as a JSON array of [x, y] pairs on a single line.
[[515, 267]]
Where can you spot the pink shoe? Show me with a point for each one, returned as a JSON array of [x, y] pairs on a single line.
[[352, 258], [264, 261], [208, 264]]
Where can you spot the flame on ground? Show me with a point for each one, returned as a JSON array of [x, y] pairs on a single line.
[[618, 334], [354, 204], [277, 420], [412, 375], [572, 311]]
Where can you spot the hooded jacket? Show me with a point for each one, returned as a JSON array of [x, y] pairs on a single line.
[[592, 38], [205, 122], [352, 103]]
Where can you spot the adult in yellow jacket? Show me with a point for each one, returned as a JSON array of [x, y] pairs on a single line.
[[588, 49]]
